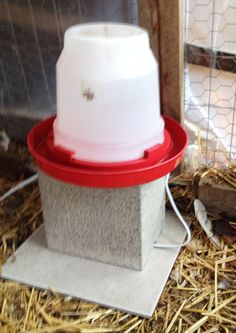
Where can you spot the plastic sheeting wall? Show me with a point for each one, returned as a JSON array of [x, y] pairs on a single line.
[[210, 78], [31, 39]]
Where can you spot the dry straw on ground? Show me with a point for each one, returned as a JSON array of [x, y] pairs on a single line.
[[200, 295]]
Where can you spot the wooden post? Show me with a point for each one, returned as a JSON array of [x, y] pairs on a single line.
[[148, 19], [164, 21]]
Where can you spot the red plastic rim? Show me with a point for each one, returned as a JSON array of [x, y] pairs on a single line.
[[151, 156], [59, 164]]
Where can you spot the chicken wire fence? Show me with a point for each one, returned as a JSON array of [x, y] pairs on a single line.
[[210, 81]]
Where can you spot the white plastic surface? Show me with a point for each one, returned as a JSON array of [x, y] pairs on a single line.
[[107, 93]]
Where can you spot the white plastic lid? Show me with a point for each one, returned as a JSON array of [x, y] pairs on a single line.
[[94, 39]]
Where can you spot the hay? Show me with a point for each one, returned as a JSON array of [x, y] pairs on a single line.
[[200, 295]]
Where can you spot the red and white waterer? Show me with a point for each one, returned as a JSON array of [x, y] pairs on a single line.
[[102, 164], [108, 131]]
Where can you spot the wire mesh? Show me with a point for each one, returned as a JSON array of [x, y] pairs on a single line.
[[210, 78], [31, 39]]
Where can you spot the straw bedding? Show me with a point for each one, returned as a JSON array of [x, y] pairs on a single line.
[[200, 295]]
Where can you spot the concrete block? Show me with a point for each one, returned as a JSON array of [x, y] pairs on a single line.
[[115, 226]]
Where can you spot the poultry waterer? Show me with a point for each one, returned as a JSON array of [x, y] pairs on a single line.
[[102, 162]]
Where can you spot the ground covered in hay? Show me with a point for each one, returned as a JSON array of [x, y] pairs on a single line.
[[200, 295]]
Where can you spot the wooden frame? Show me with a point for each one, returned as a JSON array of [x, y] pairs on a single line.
[[164, 21]]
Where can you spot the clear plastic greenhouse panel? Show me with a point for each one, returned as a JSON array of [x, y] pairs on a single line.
[[210, 99]]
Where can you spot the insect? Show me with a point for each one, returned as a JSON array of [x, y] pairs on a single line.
[[88, 94]]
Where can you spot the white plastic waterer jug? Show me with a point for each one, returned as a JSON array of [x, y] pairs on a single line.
[[108, 107]]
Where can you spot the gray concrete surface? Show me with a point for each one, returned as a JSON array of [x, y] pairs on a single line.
[[115, 226]]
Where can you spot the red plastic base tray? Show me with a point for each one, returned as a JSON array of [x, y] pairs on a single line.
[[60, 164]]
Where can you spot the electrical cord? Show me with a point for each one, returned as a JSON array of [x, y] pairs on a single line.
[[180, 217], [156, 245], [19, 186]]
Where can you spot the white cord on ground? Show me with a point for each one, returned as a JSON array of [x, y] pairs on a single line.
[[19, 186], [180, 217]]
